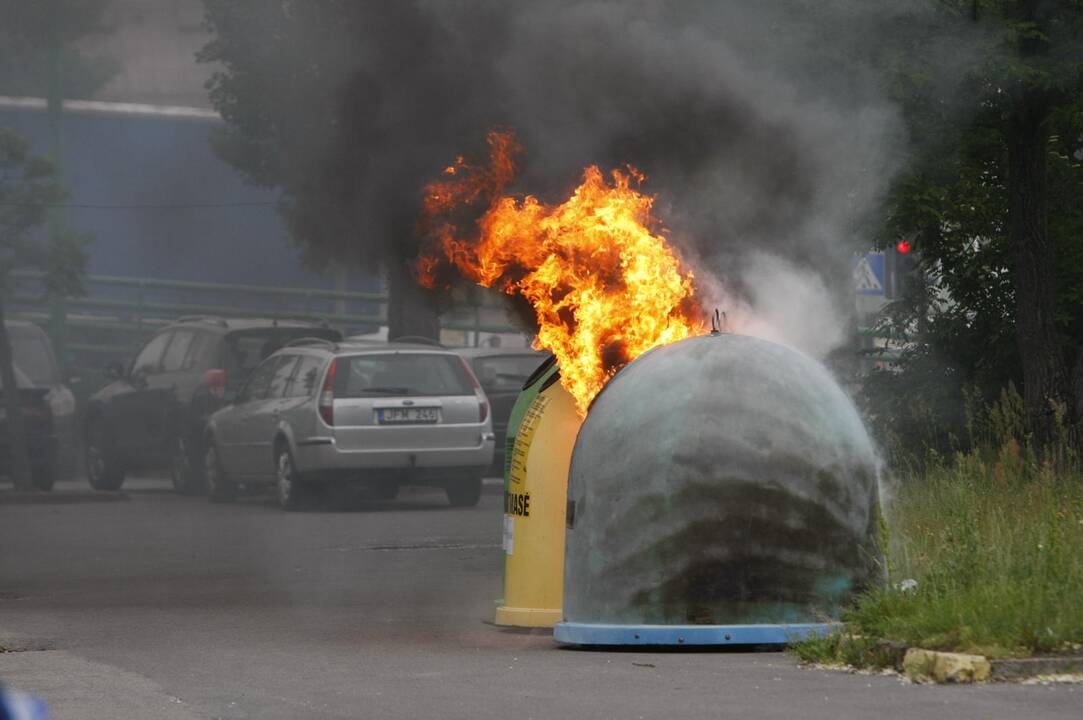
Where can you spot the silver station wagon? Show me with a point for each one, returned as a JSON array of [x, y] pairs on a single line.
[[319, 412]]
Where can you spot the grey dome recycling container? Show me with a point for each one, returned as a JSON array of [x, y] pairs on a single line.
[[723, 490]]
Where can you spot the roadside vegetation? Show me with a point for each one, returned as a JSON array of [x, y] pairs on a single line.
[[983, 552]]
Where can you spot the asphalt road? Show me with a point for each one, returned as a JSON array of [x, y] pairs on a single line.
[[161, 606]]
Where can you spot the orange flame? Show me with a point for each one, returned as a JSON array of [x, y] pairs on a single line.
[[604, 287]]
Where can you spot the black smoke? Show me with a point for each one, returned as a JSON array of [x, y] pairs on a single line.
[[763, 127]]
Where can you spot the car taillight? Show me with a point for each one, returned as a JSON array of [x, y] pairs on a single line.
[[327, 395], [36, 409], [216, 383], [483, 404]]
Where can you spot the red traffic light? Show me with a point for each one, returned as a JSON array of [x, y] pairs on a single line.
[[904, 247]]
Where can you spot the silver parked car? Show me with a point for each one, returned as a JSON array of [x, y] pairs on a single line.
[[318, 412]]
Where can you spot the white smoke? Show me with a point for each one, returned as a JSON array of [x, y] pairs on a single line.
[[783, 303]]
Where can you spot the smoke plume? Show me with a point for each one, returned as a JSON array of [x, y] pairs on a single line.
[[762, 126]]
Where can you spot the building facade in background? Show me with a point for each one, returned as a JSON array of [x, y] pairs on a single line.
[[154, 43]]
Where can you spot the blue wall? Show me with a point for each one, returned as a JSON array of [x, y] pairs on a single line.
[[126, 160]]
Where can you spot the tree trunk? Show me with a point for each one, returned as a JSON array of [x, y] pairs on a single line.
[[1045, 376], [1076, 398], [411, 309], [18, 459]]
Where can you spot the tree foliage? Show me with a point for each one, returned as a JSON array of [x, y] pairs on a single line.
[[1001, 249], [27, 189]]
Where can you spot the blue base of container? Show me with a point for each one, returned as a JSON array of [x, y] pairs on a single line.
[[572, 633]]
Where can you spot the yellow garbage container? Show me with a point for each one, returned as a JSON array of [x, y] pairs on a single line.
[[535, 502]]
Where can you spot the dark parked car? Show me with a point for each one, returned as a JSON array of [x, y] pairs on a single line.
[[153, 413], [502, 372], [33, 354], [38, 425]]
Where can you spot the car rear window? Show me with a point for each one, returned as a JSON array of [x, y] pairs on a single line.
[[303, 383], [246, 349], [177, 351], [401, 374], [505, 372]]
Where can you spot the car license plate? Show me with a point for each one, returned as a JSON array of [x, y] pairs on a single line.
[[407, 416]]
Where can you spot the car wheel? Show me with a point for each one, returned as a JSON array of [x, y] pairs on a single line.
[[288, 482], [220, 488], [103, 469], [43, 477], [464, 492], [185, 468]]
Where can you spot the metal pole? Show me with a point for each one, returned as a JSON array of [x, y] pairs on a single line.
[[139, 306], [342, 283], [475, 296]]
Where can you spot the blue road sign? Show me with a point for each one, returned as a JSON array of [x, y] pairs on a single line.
[[868, 274]]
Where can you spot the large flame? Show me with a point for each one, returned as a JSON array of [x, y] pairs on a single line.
[[604, 283]]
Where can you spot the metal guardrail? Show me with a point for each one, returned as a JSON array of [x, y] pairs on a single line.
[[118, 312], [888, 352]]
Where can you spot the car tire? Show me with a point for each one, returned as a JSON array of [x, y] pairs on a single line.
[[43, 477], [288, 485], [185, 467], [103, 468], [220, 487], [464, 492]]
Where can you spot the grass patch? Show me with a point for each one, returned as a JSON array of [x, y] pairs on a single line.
[[847, 649], [994, 540]]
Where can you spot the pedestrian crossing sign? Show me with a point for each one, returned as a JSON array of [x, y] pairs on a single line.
[[868, 274]]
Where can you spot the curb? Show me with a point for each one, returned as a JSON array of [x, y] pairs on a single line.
[[60, 498], [945, 667], [1027, 668], [26, 645]]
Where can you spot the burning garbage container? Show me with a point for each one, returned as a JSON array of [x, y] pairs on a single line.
[[723, 490], [541, 435]]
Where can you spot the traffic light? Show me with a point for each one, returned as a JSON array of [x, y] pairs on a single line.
[[900, 268]]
